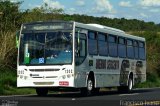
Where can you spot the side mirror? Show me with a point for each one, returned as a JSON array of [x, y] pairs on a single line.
[[17, 38], [77, 51]]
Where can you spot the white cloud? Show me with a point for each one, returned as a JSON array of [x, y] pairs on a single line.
[[103, 6], [125, 4], [54, 4], [71, 11], [14, 1], [150, 3], [33, 6], [80, 3], [143, 15], [154, 10]]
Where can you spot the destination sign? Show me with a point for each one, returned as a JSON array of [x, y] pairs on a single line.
[[47, 26]]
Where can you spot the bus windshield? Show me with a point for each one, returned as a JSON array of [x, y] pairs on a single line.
[[46, 48]]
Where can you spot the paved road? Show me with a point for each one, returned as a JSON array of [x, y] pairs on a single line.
[[146, 97]]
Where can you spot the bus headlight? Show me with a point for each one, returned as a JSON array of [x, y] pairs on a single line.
[[64, 77], [21, 76], [25, 77], [68, 76]]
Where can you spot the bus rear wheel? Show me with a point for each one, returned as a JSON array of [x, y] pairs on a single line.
[[41, 91], [130, 85], [127, 88]]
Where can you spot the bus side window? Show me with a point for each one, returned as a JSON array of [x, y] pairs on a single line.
[[92, 43], [130, 49], [102, 44], [142, 50], [136, 50], [112, 43], [121, 47]]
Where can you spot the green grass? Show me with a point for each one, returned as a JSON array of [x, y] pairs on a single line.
[[8, 84], [153, 80], [19, 91]]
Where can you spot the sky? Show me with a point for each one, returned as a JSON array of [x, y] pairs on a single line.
[[147, 10]]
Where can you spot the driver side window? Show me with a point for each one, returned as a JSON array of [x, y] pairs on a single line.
[[80, 53]]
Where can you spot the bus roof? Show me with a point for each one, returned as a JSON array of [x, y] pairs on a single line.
[[94, 27], [45, 22], [109, 30], [106, 27]]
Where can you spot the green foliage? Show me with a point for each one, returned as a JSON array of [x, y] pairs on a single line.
[[8, 50], [10, 15], [7, 79], [8, 83], [153, 80], [153, 48], [46, 9]]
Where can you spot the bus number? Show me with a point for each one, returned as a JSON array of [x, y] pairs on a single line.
[[113, 64], [100, 64], [110, 64]]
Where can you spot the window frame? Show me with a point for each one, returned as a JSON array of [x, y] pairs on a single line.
[[124, 43], [105, 41], [111, 42], [136, 46], [95, 39], [130, 45], [85, 46], [144, 47]]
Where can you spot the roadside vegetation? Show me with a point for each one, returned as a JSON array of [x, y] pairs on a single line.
[[11, 17], [8, 83]]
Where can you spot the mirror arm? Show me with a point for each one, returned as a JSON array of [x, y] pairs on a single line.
[[17, 38]]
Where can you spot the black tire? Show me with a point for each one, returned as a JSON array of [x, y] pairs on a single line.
[[84, 92], [89, 89], [127, 88], [41, 91], [130, 84], [122, 89], [96, 91]]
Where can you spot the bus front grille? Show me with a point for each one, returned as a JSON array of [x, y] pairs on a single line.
[[40, 70], [44, 77], [43, 83]]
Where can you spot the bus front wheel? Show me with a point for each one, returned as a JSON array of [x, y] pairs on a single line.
[[89, 89], [41, 91]]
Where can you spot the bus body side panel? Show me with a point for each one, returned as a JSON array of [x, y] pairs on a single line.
[[110, 71], [140, 71], [103, 77], [107, 71], [116, 72], [81, 74]]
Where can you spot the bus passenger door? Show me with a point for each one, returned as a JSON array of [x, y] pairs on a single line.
[[80, 56]]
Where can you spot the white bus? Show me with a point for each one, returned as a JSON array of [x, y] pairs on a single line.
[[60, 54]]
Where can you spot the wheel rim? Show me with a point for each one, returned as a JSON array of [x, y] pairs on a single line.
[[90, 85], [130, 84]]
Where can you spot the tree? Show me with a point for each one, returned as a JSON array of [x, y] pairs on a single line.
[[9, 15]]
